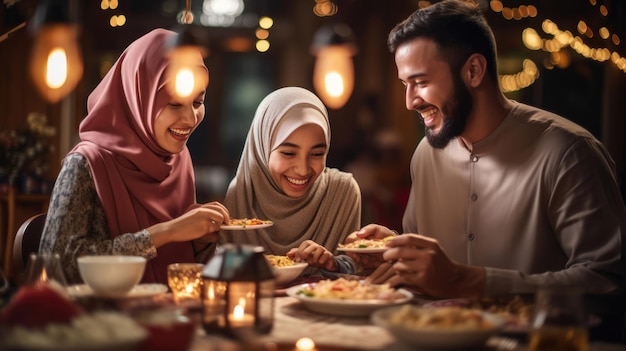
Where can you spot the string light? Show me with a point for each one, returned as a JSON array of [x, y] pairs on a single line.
[[560, 39]]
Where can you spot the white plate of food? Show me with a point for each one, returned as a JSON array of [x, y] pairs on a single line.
[[514, 310], [364, 250], [285, 269], [438, 329], [351, 298], [140, 290], [365, 246], [98, 331], [247, 224]]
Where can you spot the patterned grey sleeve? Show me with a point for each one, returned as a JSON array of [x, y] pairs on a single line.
[[76, 223]]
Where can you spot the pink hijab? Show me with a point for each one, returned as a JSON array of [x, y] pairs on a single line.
[[139, 183]]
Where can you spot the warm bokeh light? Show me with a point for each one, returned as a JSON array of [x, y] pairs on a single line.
[[333, 75], [262, 33], [262, 45], [325, 8], [266, 22], [185, 75], [184, 82], [604, 32], [56, 64], [496, 5], [56, 69], [305, 344], [531, 39], [520, 80]]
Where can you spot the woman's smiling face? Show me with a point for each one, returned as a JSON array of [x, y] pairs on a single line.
[[297, 162], [174, 125]]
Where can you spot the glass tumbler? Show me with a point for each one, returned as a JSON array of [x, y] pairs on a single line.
[[45, 268], [559, 321], [185, 281]]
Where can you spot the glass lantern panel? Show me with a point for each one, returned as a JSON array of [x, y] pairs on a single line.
[[241, 304]]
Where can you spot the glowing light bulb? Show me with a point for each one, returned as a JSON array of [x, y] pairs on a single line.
[[56, 68], [333, 76], [56, 65]]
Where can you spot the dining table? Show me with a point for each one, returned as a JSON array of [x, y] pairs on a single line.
[[292, 321], [333, 332]]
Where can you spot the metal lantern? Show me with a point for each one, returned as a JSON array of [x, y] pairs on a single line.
[[238, 292]]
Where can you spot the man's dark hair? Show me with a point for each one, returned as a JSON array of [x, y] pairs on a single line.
[[457, 27]]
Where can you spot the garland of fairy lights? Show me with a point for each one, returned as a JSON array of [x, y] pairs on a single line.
[[560, 39]]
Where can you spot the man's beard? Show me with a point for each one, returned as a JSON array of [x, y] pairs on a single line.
[[455, 112]]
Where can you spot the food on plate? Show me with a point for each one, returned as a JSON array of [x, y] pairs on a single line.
[[366, 243], [35, 306], [248, 222], [457, 318], [280, 261], [513, 309], [41, 317], [344, 289]]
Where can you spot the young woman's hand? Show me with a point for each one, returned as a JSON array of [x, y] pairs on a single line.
[[314, 254], [201, 223]]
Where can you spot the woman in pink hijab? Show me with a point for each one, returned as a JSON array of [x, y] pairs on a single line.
[[128, 187]]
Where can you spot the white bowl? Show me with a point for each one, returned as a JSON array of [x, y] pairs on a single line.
[[452, 336], [285, 275], [111, 276]]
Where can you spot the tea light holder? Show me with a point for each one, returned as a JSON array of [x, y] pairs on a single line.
[[238, 292], [185, 281]]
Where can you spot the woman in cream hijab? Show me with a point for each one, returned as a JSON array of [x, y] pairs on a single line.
[[282, 177]]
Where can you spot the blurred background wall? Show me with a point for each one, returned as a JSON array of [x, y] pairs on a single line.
[[373, 135]]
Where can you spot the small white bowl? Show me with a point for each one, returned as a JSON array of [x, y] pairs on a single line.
[[437, 338], [111, 276], [285, 275]]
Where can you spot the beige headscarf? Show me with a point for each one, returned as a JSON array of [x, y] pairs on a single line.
[[326, 214]]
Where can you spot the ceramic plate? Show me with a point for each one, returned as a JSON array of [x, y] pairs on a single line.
[[437, 338], [141, 290], [345, 307], [513, 324], [246, 227], [285, 275], [363, 249]]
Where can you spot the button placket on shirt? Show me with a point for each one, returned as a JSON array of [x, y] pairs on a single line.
[[473, 198]]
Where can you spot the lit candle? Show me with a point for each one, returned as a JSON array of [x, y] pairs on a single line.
[[239, 318], [305, 344]]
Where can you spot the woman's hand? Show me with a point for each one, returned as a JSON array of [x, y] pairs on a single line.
[[201, 223], [314, 254]]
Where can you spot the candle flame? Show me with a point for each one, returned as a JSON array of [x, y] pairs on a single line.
[[238, 312], [305, 344]]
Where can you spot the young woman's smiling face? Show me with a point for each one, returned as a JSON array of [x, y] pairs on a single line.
[[297, 162], [174, 125]]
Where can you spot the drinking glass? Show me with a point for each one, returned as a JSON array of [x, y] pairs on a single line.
[[45, 268], [559, 321], [185, 281]]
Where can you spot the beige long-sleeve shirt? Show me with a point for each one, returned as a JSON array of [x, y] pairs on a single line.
[[536, 203]]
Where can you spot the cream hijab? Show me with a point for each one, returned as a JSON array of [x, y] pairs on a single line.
[[326, 214]]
